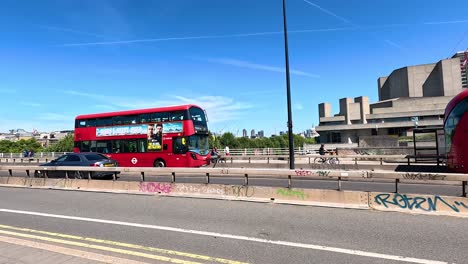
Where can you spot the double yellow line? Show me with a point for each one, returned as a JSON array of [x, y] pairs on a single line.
[[31, 234]]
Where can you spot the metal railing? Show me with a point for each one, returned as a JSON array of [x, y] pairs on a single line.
[[300, 159], [246, 173]]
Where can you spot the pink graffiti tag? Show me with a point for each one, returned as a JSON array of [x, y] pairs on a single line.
[[303, 172], [155, 187]]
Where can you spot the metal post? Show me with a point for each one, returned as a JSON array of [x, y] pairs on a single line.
[[246, 182], [173, 177], [288, 90], [142, 175], [464, 188], [289, 181], [207, 177], [396, 185], [339, 183]]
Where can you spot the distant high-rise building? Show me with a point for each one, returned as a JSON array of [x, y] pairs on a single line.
[[244, 133], [261, 134], [252, 133]]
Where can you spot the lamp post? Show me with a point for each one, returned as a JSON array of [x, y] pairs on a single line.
[[288, 91]]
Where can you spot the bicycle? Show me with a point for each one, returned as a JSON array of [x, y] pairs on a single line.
[[327, 160], [217, 159]]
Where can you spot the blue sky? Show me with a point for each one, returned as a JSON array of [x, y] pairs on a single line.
[[62, 58]]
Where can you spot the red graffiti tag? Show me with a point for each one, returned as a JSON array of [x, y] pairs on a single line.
[[155, 187], [303, 172]]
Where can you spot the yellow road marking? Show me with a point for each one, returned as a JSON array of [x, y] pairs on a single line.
[[68, 251], [127, 245], [116, 250]]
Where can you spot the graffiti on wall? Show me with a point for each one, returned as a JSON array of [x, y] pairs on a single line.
[[199, 189], [239, 190], [425, 203], [423, 176], [301, 172], [292, 193], [155, 187]]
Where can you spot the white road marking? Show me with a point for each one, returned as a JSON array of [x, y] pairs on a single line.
[[245, 238]]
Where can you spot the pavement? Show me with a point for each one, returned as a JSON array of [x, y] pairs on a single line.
[[21, 251], [11, 253]]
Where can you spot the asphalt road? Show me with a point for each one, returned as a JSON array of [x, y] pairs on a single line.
[[232, 230]]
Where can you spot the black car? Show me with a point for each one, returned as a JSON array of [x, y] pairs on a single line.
[[80, 159]]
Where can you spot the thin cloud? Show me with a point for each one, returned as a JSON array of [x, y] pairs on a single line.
[[30, 104], [259, 92], [254, 66], [446, 22], [321, 30], [393, 44], [71, 31], [329, 12], [55, 117], [218, 108], [355, 26], [298, 106], [105, 107]]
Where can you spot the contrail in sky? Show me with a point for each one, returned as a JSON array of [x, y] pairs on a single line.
[[71, 31], [446, 22], [329, 12], [198, 37]]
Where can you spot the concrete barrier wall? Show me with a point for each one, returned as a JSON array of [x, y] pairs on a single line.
[[406, 203]]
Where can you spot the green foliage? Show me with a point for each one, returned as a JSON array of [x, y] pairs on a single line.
[[228, 139], [7, 146], [63, 145]]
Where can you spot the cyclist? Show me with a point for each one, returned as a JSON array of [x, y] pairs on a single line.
[[322, 152]]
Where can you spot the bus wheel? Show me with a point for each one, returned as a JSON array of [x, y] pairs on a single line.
[[159, 163]]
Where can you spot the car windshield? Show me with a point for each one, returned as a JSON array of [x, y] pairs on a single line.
[[95, 157], [198, 144]]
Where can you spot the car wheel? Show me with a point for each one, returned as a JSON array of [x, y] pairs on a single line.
[[159, 163], [38, 174], [78, 175]]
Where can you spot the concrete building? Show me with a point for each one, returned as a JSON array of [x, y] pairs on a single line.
[[413, 96]]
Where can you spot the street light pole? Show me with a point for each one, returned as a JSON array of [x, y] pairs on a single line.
[[288, 89]]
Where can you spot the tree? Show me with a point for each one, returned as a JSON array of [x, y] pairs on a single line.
[[63, 145], [19, 146]]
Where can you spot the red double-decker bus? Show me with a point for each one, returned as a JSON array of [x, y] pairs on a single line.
[[456, 132], [175, 136]]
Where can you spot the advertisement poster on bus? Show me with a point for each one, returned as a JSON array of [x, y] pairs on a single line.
[[121, 130], [173, 127], [155, 137]]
